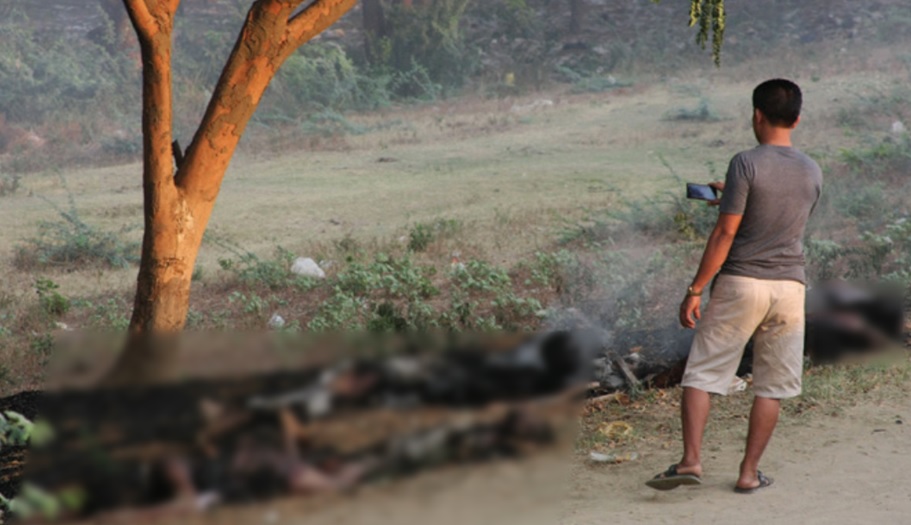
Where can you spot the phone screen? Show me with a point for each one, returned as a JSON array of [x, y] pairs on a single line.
[[700, 191]]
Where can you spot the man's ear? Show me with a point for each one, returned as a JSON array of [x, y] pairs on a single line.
[[796, 122]]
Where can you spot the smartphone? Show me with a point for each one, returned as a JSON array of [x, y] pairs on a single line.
[[701, 192]]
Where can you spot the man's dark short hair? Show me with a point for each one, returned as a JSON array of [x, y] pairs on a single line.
[[779, 100]]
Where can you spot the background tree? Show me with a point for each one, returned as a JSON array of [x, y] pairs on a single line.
[[179, 196], [374, 28], [576, 15]]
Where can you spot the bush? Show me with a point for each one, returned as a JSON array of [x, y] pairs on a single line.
[[426, 54], [273, 274], [387, 294], [50, 300], [70, 242], [890, 155], [423, 234], [9, 184], [702, 112], [321, 76]]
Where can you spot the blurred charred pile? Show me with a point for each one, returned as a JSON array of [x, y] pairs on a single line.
[[186, 446], [842, 319]]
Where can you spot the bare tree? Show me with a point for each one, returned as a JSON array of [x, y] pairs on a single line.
[[178, 201]]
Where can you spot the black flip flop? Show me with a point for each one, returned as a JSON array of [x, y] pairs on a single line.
[[764, 481], [670, 479]]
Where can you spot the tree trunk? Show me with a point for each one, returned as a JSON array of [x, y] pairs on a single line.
[[177, 205], [374, 29], [576, 16]]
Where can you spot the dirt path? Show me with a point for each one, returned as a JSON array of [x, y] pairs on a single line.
[[849, 469]]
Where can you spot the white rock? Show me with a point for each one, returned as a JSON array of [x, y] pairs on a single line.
[[537, 104], [307, 267], [898, 127], [737, 385], [276, 321]]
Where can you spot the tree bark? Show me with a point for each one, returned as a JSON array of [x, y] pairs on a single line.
[[177, 206], [374, 29], [576, 16]]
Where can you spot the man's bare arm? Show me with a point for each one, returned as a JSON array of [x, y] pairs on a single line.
[[716, 252]]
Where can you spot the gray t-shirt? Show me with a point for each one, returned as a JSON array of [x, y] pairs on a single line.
[[775, 188]]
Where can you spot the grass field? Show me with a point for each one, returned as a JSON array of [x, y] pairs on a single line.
[[515, 174]]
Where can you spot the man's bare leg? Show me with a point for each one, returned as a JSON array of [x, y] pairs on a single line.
[[763, 418], [694, 411]]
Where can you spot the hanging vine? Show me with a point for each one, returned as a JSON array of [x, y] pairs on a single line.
[[709, 16]]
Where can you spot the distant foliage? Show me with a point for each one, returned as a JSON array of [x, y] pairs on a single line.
[[426, 51], [44, 75], [323, 76]]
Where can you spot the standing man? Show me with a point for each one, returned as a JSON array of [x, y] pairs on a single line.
[[756, 249]]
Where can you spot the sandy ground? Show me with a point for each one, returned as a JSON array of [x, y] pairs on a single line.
[[847, 469]]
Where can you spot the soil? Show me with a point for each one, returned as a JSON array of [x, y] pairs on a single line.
[[846, 469]]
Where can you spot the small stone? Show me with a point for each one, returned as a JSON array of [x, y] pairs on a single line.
[[598, 457], [276, 321], [307, 267], [737, 385], [898, 127]]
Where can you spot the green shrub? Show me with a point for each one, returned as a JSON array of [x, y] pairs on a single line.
[[46, 75], [552, 268], [50, 300], [9, 184], [423, 234], [329, 123], [110, 315], [823, 256], [890, 155], [426, 54], [480, 276], [70, 242], [323, 76], [42, 345], [274, 273], [702, 112]]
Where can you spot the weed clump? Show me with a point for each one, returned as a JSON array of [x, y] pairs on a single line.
[[50, 300], [71, 243], [423, 234]]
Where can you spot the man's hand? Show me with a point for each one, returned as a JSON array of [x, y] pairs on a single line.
[[719, 186], [689, 311]]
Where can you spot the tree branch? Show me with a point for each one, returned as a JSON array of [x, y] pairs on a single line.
[[142, 18], [315, 18]]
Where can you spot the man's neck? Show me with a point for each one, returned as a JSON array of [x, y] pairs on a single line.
[[776, 137]]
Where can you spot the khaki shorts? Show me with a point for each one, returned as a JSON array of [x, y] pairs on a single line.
[[771, 312]]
